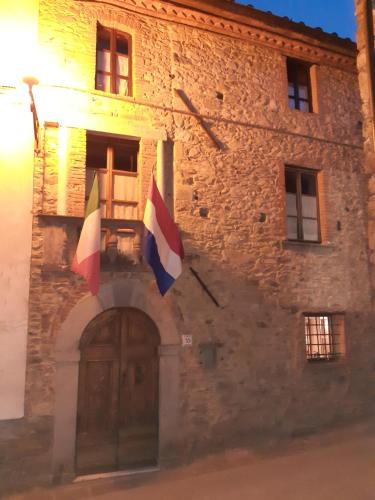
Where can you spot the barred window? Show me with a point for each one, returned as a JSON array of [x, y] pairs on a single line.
[[324, 336]]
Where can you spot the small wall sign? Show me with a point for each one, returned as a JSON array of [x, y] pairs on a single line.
[[187, 340]]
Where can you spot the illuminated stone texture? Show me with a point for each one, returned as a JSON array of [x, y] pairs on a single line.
[[229, 205]]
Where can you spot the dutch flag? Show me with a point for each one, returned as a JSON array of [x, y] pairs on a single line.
[[162, 246]]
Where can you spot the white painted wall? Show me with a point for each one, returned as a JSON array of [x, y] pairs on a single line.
[[18, 22]]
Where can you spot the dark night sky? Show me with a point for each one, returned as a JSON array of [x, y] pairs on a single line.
[[330, 15]]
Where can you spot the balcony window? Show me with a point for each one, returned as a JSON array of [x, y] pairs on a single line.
[[116, 163]]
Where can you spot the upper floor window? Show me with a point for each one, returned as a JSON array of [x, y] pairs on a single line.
[[324, 336], [299, 85], [115, 161], [302, 204], [113, 62]]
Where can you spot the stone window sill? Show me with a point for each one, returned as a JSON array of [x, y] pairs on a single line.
[[306, 113], [306, 246], [103, 93], [339, 363]]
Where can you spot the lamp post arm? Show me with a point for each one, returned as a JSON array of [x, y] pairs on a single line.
[[35, 119], [30, 82]]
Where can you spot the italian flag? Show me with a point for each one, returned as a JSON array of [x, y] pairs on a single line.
[[86, 261]]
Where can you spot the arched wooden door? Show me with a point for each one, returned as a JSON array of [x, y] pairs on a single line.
[[117, 421]]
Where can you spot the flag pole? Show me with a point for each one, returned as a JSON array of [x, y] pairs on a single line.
[[160, 170], [204, 286]]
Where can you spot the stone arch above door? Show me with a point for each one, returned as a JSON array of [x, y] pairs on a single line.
[[122, 293]]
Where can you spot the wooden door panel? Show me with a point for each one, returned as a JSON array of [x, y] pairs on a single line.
[[138, 449], [101, 416], [117, 424], [138, 420], [97, 457], [139, 394], [138, 426], [97, 419], [96, 448]]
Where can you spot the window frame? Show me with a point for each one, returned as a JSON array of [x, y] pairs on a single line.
[[299, 171], [113, 34], [110, 172], [336, 344], [296, 82]]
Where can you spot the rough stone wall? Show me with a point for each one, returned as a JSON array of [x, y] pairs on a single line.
[[229, 205], [262, 379], [367, 98], [363, 78]]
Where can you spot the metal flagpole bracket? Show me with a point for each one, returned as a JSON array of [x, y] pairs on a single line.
[[184, 98], [204, 286]]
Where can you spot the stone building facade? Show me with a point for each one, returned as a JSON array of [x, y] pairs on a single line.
[[224, 156], [365, 10]]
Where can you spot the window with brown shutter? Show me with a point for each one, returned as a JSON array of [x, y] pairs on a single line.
[[302, 204], [115, 162], [299, 85], [113, 62]]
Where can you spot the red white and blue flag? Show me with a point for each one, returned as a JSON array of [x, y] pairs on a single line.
[[162, 246]]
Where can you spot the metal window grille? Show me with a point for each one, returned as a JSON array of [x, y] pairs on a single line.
[[322, 337]]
